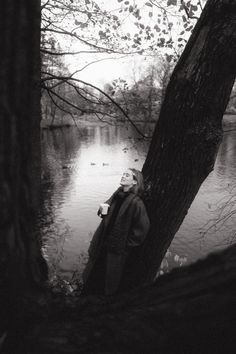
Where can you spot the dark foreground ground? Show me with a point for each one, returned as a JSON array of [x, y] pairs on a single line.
[[190, 310]]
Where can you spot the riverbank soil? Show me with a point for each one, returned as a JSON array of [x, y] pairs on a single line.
[[190, 310]]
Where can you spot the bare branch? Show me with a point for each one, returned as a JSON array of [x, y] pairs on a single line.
[[94, 62], [232, 97], [64, 110], [200, 4], [89, 111], [44, 5], [45, 51], [230, 113], [84, 97], [229, 130], [52, 77], [64, 99], [115, 103], [103, 121], [106, 95]]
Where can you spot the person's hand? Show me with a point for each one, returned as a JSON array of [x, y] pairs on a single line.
[[99, 212]]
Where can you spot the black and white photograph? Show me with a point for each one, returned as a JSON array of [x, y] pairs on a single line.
[[118, 177]]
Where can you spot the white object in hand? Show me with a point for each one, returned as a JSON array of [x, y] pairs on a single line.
[[104, 208]]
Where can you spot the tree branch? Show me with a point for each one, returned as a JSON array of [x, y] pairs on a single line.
[[101, 91], [44, 5], [64, 110], [187, 11], [45, 51], [74, 35], [89, 111], [230, 113], [232, 97], [48, 89], [94, 62]]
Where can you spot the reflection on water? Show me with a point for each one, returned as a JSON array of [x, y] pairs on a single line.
[[79, 172]]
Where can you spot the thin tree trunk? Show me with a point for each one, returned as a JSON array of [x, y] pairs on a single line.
[[188, 133]]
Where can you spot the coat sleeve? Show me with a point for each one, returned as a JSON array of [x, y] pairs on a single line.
[[140, 225]]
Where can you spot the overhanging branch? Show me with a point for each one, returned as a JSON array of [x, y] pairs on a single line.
[[69, 78]]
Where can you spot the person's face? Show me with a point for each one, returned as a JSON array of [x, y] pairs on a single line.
[[127, 179]]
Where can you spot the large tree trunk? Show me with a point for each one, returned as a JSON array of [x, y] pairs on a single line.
[[188, 132], [21, 263]]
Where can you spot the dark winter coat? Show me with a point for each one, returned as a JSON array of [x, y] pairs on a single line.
[[111, 245]]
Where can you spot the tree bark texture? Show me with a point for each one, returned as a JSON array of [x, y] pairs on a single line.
[[191, 310], [188, 133], [20, 257]]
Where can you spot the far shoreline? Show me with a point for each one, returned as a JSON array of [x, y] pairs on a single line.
[[88, 120], [83, 122]]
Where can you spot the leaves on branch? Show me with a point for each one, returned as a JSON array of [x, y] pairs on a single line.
[[171, 2], [101, 31]]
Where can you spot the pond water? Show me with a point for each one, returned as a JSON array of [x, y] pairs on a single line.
[[81, 168]]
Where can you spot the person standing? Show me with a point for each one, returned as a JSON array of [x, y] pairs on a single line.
[[123, 228]]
